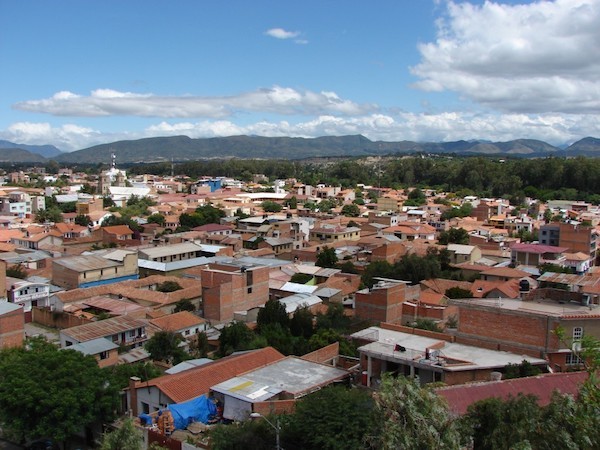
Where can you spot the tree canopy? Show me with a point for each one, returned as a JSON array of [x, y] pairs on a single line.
[[53, 393], [164, 346]]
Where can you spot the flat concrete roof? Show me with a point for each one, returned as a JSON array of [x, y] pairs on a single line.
[[452, 356], [292, 374], [542, 307]]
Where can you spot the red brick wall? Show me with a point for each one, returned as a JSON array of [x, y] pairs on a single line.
[[275, 407], [417, 331], [12, 329], [384, 305], [497, 328], [325, 354]]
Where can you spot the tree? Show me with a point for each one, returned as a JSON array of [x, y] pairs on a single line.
[[184, 304], [199, 345], [120, 374], [49, 215], [77, 395], [168, 286], [270, 206], [157, 218], [457, 292], [249, 434], [351, 210], [272, 313], [234, 337], [301, 278], [292, 203], [327, 257], [16, 271], [412, 417], [525, 369], [454, 236], [301, 323], [126, 437], [334, 418], [83, 220], [164, 346]]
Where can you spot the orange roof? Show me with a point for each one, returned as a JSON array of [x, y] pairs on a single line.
[[177, 321], [7, 235], [441, 285], [433, 298], [118, 230], [192, 383], [505, 272], [510, 289]]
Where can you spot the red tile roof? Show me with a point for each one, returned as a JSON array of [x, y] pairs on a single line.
[[177, 321], [192, 383], [542, 386]]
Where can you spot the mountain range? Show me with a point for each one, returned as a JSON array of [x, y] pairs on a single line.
[[183, 148]]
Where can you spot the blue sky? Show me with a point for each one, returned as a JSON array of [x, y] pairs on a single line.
[[79, 73]]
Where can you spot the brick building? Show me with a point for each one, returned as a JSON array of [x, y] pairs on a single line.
[[12, 325], [527, 327], [227, 288], [383, 302]]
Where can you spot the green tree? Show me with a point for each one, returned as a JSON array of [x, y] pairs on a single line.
[[454, 236], [83, 220], [351, 210], [199, 345], [327, 257], [334, 418], [157, 218], [164, 346], [412, 417], [272, 313], [120, 374], [457, 292], [292, 203], [16, 271], [334, 318], [184, 305], [77, 395], [168, 286], [301, 323], [270, 206], [234, 337], [301, 278], [525, 369], [249, 434], [49, 215], [125, 437]]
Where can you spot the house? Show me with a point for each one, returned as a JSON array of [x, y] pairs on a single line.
[[103, 350], [574, 237], [383, 302], [181, 252], [27, 295], [331, 233], [529, 326], [117, 234], [537, 254], [284, 380], [231, 287], [463, 253], [409, 231], [431, 356], [153, 395], [39, 241], [184, 323], [12, 325], [91, 270], [125, 331]]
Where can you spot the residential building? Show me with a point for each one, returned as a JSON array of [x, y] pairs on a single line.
[[184, 323], [537, 254], [383, 302], [105, 351], [332, 233], [27, 295], [125, 331], [227, 288], [91, 270], [574, 237], [430, 356]]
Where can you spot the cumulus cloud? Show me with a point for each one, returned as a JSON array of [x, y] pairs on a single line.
[[533, 58], [280, 33], [448, 126], [277, 99]]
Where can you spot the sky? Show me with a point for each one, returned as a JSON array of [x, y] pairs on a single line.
[[77, 73]]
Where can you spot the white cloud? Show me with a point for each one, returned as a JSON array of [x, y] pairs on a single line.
[[538, 57], [449, 126], [277, 99], [280, 33]]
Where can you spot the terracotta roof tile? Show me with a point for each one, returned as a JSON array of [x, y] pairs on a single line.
[[177, 321]]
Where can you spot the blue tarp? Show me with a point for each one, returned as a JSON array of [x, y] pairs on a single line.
[[199, 409]]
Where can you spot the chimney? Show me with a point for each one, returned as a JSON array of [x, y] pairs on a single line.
[[133, 402]]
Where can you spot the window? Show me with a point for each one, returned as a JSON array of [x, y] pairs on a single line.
[[68, 343], [187, 332], [145, 408], [103, 355], [577, 333], [573, 359]]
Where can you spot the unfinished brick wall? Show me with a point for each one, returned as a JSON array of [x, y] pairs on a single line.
[[12, 329]]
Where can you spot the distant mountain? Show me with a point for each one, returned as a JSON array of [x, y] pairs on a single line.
[[183, 148], [588, 146], [47, 151], [19, 155]]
